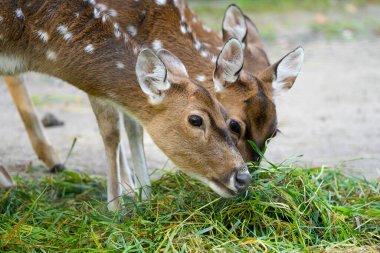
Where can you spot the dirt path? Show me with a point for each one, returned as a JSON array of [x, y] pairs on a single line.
[[331, 115]]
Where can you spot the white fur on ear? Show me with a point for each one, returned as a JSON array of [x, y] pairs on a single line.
[[229, 64], [172, 63], [287, 70], [152, 76], [234, 25]]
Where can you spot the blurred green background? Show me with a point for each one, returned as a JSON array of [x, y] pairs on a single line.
[[280, 5], [330, 19]]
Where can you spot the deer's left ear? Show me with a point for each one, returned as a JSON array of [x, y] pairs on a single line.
[[234, 25], [283, 74], [173, 64], [151, 74], [229, 64]]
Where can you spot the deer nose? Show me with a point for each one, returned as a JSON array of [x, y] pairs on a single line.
[[242, 180]]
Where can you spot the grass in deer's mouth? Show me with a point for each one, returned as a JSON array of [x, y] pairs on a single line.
[[286, 209]]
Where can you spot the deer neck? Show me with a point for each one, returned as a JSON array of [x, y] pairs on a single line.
[[159, 24]]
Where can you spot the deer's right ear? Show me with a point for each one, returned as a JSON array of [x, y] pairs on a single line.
[[173, 64], [152, 75], [234, 25], [282, 75], [229, 64], [253, 37]]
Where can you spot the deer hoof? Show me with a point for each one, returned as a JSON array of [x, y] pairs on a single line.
[[57, 168]]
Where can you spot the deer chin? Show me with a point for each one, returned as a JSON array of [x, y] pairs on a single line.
[[225, 191]]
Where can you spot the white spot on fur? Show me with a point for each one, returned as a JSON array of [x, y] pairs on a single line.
[[204, 53], [89, 49], [101, 7], [214, 58], [51, 55], [112, 12], [136, 50], [161, 2], [1, 19], [183, 28], [19, 13], [96, 13], [76, 14], [10, 65], [42, 35], [207, 29], [197, 44], [132, 30], [194, 20], [116, 30], [156, 45], [62, 29], [67, 36], [200, 78], [120, 65], [104, 18]]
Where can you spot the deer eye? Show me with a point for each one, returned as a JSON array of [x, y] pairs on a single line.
[[235, 127], [195, 120]]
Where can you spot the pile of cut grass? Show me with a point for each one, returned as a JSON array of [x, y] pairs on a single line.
[[287, 208]]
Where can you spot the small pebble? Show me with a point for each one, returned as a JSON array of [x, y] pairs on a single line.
[[50, 120]]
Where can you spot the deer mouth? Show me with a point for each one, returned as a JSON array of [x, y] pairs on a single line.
[[220, 188], [217, 186]]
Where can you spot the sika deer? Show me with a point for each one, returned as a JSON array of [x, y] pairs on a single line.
[[158, 24], [248, 97], [249, 104], [155, 26], [83, 44]]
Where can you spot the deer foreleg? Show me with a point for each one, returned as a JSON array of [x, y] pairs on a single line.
[[39, 140], [108, 119], [135, 138]]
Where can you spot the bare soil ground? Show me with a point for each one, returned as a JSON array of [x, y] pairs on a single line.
[[331, 116]]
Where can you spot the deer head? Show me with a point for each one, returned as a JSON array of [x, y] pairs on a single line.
[[249, 99], [188, 124]]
